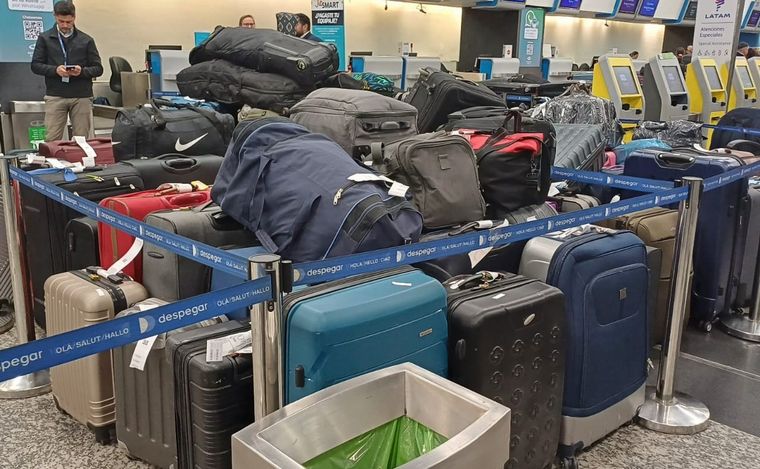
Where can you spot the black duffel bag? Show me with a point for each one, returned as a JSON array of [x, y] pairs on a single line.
[[268, 51], [227, 83], [150, 131]]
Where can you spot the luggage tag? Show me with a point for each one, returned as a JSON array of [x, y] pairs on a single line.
[[479, 254], [143, 347], [89, 160], [396, 190], [217, 349], [125, 260]]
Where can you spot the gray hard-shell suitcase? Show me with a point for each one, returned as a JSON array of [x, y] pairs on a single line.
[[442, 174], [171, 277], [580, 146], [574, 202], [356, 119], [145, 414], [84, 388], [751, 236]]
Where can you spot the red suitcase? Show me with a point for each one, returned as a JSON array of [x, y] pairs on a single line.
[[114, 243], [71, 152]]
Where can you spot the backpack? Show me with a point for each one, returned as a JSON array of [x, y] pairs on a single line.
[[442, 175], [305, 198]]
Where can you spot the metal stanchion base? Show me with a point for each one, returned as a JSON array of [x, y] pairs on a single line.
[[683, 416], [742, 327], [31, 385]]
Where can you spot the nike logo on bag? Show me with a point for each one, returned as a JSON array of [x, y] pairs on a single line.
[[179, 146]]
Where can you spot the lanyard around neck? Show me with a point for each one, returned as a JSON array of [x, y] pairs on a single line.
[[63, 48]]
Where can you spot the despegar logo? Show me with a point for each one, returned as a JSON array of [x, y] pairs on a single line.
[[177, 315], [23, 360], [421, 252], [324, 270]]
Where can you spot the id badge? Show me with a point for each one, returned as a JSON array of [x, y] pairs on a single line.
[[65, 79]]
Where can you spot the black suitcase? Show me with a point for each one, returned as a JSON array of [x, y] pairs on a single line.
[[45, 221], [507, 343], [176, 168], [81, 244], [150, 131], [438, 94], [268, 51], [212, 400]]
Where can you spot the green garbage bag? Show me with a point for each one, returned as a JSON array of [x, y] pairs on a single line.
[[386, 447]]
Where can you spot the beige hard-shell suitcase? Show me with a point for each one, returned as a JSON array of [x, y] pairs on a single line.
[[83, 388]]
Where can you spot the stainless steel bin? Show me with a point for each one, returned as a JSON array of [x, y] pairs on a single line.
[[476, 427]]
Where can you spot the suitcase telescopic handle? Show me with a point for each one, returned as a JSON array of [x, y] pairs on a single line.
[[750, 146], [676, 160], [481, 279]]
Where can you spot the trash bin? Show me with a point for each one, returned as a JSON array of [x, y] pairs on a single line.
[[475, 429]]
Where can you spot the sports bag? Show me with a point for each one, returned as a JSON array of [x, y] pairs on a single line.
[[225, 82], [356, 119], [305, 198], [150, 131], [514, 162], [269, 51], [442, 175]]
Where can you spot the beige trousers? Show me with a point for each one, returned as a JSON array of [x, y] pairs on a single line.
[[57, 112]]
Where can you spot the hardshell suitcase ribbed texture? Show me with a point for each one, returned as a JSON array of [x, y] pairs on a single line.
[[145, 413], [176, 168], [84, 388], [715, 254], [171, 277], [115, 243], [213, 400], [356, 119], [437, 94], [605, 279], [81, 244], [507, 343], [45, 220], [346, 328]]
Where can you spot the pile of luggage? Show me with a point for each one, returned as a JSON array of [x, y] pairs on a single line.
[[262, 68], [558, 328]]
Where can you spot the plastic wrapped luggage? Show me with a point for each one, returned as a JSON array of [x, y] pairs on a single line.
[[84, 388], [716, 251], [342, 329], [71, 151], [490, 313], [225, 82], [578, 106], [678, 133], [604, 276], [176, 168], [114, 243], [437, 94], [356, 119], [171, 277], [45, 219], [150, 131], [306, 198], [268, 51]]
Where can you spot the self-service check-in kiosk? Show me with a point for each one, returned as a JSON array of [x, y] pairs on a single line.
[[707, 91], [754, 72], [388, 66], [412, 67], [665, 89], [615, 79], [744, 91], [556, 69], [498, 67]]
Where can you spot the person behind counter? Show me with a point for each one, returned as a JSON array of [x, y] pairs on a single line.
[[303, 28], [247, 21], [69, 61], [634, 55]]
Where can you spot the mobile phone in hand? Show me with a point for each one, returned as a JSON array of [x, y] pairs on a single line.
[[70, 67]]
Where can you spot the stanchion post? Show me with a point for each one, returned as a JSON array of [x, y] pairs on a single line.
[[665, 410], [266, 335], [36, 383]]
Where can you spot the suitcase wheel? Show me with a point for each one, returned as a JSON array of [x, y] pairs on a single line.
[[568, 463], [104, 435], [706, 326]]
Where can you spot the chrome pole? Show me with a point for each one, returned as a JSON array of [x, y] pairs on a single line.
[[266, 335], [665, 410], [38, 382], [734, 50]]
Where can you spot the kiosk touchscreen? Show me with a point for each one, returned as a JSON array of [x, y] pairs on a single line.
[[498, 67], [391, 67], [615, 79], [744, 91], [754, 72], [665, 89], [707, 93]]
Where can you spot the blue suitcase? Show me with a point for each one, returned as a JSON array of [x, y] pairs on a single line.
[[339, 330], [715, 259], [604, 276]]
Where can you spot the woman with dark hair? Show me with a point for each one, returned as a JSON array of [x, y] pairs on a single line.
[[247, 21]]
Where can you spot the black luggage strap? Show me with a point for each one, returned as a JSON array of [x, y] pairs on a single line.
[[117, 294]]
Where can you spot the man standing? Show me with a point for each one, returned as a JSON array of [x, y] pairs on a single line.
[[303, 28], [69, 60]]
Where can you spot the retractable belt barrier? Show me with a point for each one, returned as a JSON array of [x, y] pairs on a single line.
[[63, 348]]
